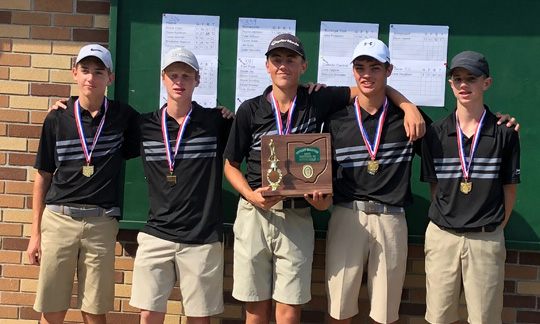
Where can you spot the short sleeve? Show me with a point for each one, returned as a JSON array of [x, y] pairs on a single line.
[[45, 158], [510, 166], [329, 100], [239, 141], [132, 135], [427, 171]]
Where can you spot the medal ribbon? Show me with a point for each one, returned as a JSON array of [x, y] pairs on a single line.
[[464, 165], [164, 130], [82, 137], [277, 115], [372, 148]]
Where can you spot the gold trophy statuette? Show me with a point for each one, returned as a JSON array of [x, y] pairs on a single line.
[[273, 167]]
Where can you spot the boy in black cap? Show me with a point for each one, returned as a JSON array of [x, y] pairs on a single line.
[[274, 237], [473, 170]]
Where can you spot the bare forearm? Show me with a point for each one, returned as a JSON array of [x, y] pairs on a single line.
[[432, 188], [236, 178], [510, 194]]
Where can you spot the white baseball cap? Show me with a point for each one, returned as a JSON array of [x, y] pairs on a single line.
[[98, 51], [180, 54], [372, 47]]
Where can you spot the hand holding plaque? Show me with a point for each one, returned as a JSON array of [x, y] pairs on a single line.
[[297, 164]]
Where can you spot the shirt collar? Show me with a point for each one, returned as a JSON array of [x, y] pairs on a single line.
[[196, 115], [268, 112], [488, 129], [71, 108]]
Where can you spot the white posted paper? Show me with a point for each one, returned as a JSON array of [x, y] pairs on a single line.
[[254, 35], [200, 35], [337, 43], [419, 55]]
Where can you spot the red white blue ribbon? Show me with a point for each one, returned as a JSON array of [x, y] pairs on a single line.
[[372, 148], [165, 131], [277, 115], [80, 129], [465, 166]]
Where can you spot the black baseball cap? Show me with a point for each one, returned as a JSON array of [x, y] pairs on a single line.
[[474, 62], [287, 41]]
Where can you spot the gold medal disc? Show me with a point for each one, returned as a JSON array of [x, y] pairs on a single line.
[[465, 187], [171, 179], [88, 170], [372, 167]]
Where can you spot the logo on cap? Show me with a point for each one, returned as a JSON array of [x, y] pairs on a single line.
[[284, 40]]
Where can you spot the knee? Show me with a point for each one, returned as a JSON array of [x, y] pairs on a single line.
[[258, 312], [287, 314], [151, 317]]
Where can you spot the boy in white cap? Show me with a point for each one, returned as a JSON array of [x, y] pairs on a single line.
[[75, 203], [473, 170], [181, 150], [274, 236], [372, 160]]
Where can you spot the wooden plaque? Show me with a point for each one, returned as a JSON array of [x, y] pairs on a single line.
[[304, 164]]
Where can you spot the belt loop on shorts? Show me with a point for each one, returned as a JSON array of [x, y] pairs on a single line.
[[82, 211], [371, 207]]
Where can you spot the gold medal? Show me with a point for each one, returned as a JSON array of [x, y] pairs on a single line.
[[465, 187], [372, 167], [171, 179], [88, 170]]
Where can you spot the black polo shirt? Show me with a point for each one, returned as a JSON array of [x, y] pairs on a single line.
[[191, 210], [495, 163], [255, 118], [60, 152], [391, 184]]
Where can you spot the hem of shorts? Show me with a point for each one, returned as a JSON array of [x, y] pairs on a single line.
[[41, 309], [292, 302], [249, 298], [207, 314], [391, 320], [342, 316], [438, 322]]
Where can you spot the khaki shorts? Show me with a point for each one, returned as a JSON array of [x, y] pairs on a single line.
[[356, 240], [273, 254], [81, 245], [474, 259], [198, 268]]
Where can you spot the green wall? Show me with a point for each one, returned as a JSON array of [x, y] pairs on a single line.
[[506, 32]]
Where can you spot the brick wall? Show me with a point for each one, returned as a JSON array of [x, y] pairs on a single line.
[[38, 42]]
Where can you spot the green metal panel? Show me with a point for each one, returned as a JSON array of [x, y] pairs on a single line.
[[503, 31]]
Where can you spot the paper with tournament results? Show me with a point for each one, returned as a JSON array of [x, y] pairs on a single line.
[[336, 46], [254, 35], [200, 35], [419, 56]]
